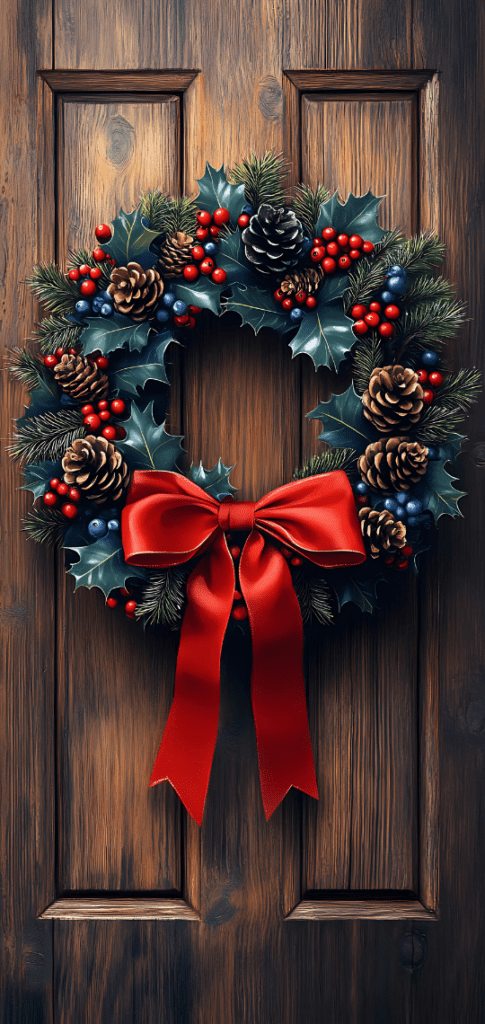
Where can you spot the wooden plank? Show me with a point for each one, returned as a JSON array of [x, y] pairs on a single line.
[[357, 81], [97, 909], [351, 36], [360, 910], [119, 81]]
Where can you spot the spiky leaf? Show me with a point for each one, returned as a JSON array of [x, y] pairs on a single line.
[[105, 335], [344, 424], [204, 293], [231, 258], [131, 240], [103, 565], [215, 191], [356, 585], [325, 333], [37, 477], [215, 481], [258, 309], [147, 445], [436, 489], [357, 216], [131, 371]]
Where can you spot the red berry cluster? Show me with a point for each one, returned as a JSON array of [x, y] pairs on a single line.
[[52, 361], [59, 490], [435, 379], [187, 320], [209, 225], [399, 560], [301, 299], [89, 276], [130, 605], [332, 250], [98, 420], [373, 317]]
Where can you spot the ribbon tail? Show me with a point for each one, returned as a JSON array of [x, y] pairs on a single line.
[[277, 684], [187, 748]]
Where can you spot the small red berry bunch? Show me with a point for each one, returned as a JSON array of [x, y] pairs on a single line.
[[301, 298], [338, 251], [187, 319], [58, 490], [400, 560], [434, 378], [98, 417], [209, 226], [51, 361], [374, 317], [130, 605]]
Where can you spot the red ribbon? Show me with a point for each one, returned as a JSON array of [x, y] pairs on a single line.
[[167, 521]]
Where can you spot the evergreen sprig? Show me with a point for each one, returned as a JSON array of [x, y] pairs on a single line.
[[367, 356], [53, 289], [326, 462], [428, 289], [314, 595], [307, 205], [367, 275], [429, 323], [45, 526], [263, 179], [179, 215], [154, 205], [454, 398], [163, 598], [47, 436], [57, 332], [27, 369], [421, 254], [76, 260]]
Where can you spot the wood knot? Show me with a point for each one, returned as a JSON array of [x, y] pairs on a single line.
[[413, 951], [270, 98], [120, 140]]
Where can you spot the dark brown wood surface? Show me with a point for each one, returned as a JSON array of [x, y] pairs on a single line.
[[280, 938]]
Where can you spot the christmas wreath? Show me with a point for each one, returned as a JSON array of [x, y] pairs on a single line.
[[172, 545]]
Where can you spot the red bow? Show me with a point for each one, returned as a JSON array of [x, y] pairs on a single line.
[[168, 520]]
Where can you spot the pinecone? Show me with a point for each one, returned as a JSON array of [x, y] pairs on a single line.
[[393, 464], [81, 380], [175, 254], [394, 399], [135, 292], [307, 280], [382, 530], [95, 466], [273, 239]]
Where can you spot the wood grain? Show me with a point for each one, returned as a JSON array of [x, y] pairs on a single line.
[[360, 910], [95, 909]]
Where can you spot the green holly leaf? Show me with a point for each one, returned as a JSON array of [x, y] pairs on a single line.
[[131, 240], [258, 308], [436, 489], [44, 397], [147, 445], [204, 293], [357, 216], [105, 335], [103, 565], [344, 424], [215, 481], [325, 333], [215, 191], [128, 372], [357, 585], [231, 258], [37, 476]]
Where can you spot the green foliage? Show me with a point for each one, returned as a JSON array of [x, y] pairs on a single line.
[[307, 205], [215, 481], [358, 215], [262, 178], [131, 371], [45, 526], [106, 334], [53, 289], [313, 595], [257, 308], [46, 436], [204, 293], [179, 215], [102, 565], [344, 424], [326, 462], [453, 400], [436, 489], [428, 289], [37, 477], [357, 585], [57, 332], [216, 191], [131, 240], [420, 255], [76, 259], [147, 445], [368, 354], [325, 333], [232, 259], [367, 274], [163, 598], [431, 323], [26, 368], [153, 206]]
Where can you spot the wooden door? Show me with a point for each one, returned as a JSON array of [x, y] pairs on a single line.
[[365, 907]]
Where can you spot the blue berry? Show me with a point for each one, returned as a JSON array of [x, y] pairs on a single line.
[[248, 209], [83, 307], [430, 358], [210, 248], [113, 524], [414, 521], [361, 487], [401, 497], [396, 269], [433, 454], [106, 296], [145, 222], [390, 505], [396, 284], [97, 303], [296, 315], [106, 309], [162, 315], [414, 507], [387, 297], [169, 299], [307, 245], [67, 401], [179, 307], [97, 528]]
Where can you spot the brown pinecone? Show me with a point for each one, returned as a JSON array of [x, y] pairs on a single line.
[[394, 399], [393, 464], [95, 466], [81, 380], [135, 292], [382, 531], [308, 280], [175, 254]]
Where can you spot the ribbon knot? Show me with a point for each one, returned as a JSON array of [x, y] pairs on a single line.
[[168, 520]]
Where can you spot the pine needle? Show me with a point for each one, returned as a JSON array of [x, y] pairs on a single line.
[[179, 215], [367, 274], [57, 332], [388, 245], [76, 259], [454, 398], [45, 526], [307, 205], [53, 289], [263, 179], [153, 205], [367, 356], [326, 462], [420, 255], [47, 436], [428, 289], [27, 369], [432, 323], [163, 599], [314, 596]]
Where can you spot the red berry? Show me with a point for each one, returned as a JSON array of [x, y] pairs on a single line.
[[62, 489], [195, 310], [218, 275], [95, 273], [74, 274], [130, 607], [386, 330], [389, 559], [102, 362], [333, 249], [279, 295], [181, 321], [190, 272], [428, 396], [129, 616], [59, 352], [84, 270], [99, 255], [329, 234], [354, 254], [54, 483], [237, 596], [69, 511], [105, 415], [311, 302], [435, 379], [51, 361], [286, 551], [344, 262], [88, 287], [402, 563], [117, 406], [317, 254], [103, 404], [111, 602], [120, 433], [221, 216], [406, 551], [103, 233], [235, 551], [74, 494], [243, 220], [239, 612], [422, 376], [296, 560], [301, 297], [392, 312], [198, 252], [287, 304], [343, 240], [375, 307], [368, 247], [329, 265], [356, 242], [214, 231], [204, 218], [73, 351], [372, 319], [360, 327], [125, 593], [361, 499], [190, 324], [87, 410], [202, 234], [359, 311], [109, 433], [92, 422], [50, 498], [317, 241]]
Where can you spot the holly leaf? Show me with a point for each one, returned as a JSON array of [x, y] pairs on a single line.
[[231, 258], [343, 422], [436, 489], [45, 396], [147, 445], [204, 293], [215, 481], [130, 371], [215, 191], [37, 476], [131, 240], [102, 564], [357, 585], [258, 309], [325, 333], [106, 335], [357, 216]]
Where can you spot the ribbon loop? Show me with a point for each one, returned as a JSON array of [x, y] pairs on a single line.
[[234, 515]]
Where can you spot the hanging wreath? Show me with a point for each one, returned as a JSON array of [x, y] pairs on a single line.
[[172, 545]]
